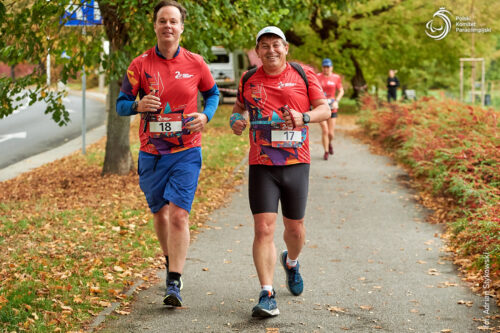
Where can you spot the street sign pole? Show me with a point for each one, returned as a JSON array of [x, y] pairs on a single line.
[[84, 86], [87, 13]]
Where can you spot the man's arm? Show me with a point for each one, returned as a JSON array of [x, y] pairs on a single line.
[[320, 112], [339, 96], [211, 97], [238, 120]]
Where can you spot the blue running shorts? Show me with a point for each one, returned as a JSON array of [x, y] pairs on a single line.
[[169, 178]]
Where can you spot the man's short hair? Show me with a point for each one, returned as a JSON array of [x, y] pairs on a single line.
[[172, 3]]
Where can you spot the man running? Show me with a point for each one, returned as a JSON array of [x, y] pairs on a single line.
[[276, 101], [331, 84], [167, 79]]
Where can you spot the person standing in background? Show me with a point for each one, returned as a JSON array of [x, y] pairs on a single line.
[[392, 86]]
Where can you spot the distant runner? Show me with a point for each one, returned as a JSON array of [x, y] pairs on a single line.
[[167, 79], [331, 83], [275, 99]]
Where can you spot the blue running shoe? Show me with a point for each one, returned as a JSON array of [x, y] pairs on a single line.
[[294, 282], [181, 285], [173, 294], [267, 305]]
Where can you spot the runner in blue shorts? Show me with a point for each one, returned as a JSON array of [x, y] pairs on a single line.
[[167, 78]]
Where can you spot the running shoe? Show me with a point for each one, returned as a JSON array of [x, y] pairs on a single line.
[[267, 306], [181, 283], [325, 156], [294, 282], [173, 294], [330, 149]]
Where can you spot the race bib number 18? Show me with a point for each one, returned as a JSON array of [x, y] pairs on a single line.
[[169, 124]]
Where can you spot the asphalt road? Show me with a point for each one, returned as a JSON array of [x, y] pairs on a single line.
[[29, 131], [371, 263]]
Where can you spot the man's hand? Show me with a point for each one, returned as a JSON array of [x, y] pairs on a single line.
[[239, 126], [335, 105], [293, 118], [198, 123], [149, 103]]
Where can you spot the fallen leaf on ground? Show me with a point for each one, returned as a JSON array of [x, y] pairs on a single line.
[[336, 309], [123, 313]]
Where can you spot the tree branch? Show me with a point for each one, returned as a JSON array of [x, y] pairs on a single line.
[[377, 11]]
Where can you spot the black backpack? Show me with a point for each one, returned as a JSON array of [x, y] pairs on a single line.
[[295, 66]]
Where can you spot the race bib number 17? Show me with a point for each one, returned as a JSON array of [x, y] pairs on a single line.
[[286, 139]]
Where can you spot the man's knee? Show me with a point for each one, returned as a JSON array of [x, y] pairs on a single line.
[[178, 217], [295, 228], [264, 229]]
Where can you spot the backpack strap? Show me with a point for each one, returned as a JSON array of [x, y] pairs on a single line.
[[295, 66], [300, 70], [247, 76]]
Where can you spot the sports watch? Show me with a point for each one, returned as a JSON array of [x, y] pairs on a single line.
[[135, 105], [305, 118]]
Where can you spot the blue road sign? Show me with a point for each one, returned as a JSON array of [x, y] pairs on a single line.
[[84, 13]]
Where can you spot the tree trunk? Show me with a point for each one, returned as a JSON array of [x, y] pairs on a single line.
[[358, 80], [118, 158]]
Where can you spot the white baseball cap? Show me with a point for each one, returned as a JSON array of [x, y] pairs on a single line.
[[270, 30]]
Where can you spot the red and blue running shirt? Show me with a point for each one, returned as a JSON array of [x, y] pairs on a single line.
[[176, 81], [264, 98], [330, 84]]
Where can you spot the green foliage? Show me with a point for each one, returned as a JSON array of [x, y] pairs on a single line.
[[129, 28], [382, 35]]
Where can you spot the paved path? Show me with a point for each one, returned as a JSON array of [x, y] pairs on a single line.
[[371, 263]]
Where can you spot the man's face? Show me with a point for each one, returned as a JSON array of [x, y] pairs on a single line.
[[272, 51], [327, 70], [391, 73], [168, 26]]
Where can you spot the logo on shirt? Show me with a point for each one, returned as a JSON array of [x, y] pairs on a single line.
[[258, 94], [155, 84], [330, 83], [179, 75], [282, 85]]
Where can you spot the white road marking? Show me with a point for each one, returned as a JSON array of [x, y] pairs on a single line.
[[18, 135]]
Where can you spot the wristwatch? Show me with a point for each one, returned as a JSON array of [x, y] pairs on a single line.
[[305, 118], [135, 106]]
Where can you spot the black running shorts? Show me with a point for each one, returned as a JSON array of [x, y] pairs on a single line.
[[268, 184]]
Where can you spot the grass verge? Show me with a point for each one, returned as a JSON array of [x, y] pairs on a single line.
[[72, 240]]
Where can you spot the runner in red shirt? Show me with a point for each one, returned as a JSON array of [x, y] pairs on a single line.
[[331, 84], [275, 102], [167, 79]]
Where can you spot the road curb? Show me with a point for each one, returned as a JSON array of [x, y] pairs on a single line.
[[107, 311], [38, 160]]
